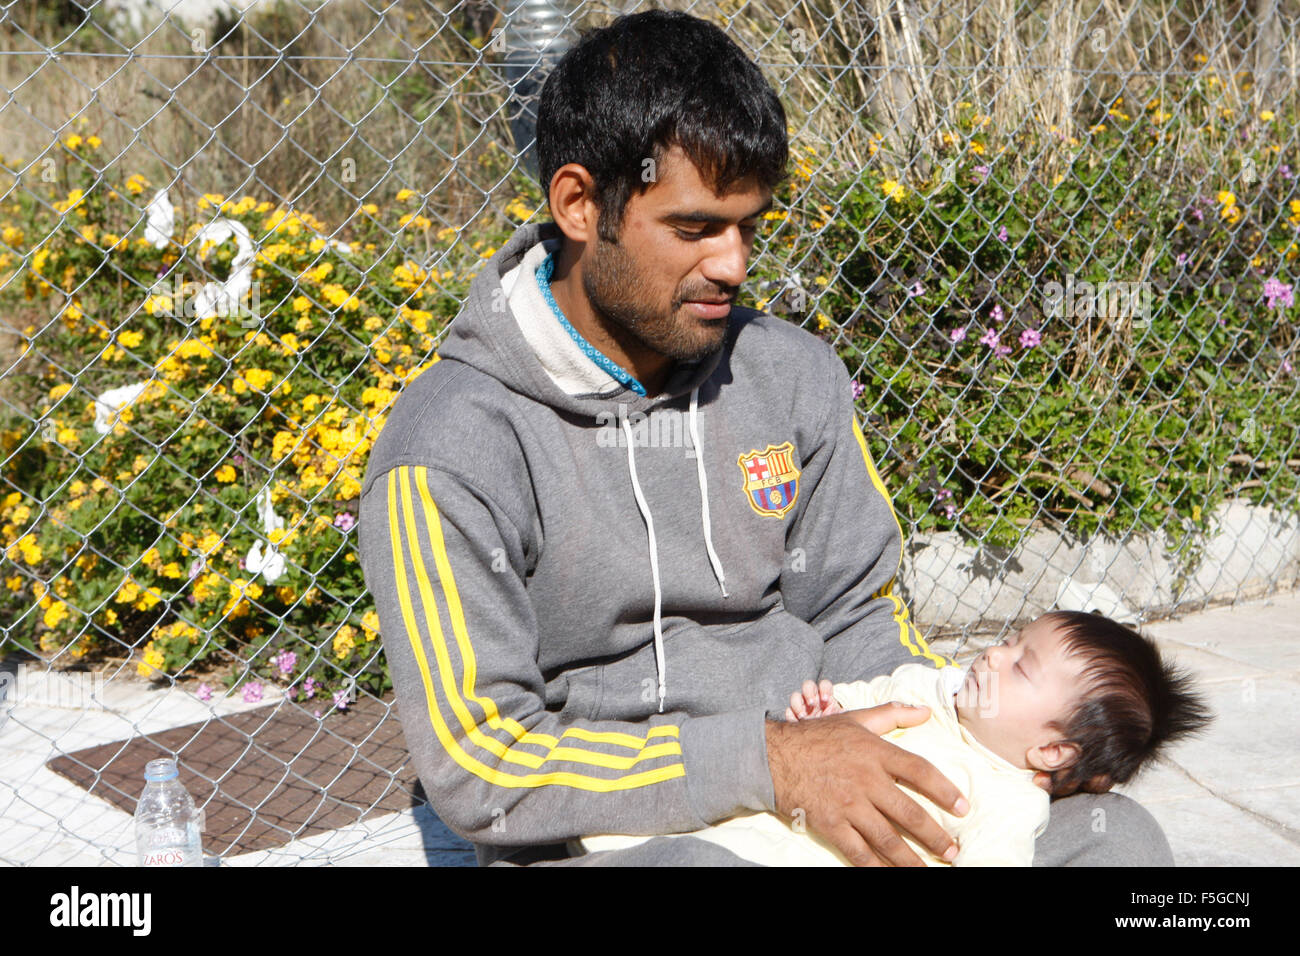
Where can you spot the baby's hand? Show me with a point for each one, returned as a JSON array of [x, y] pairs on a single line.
[[814, 700]]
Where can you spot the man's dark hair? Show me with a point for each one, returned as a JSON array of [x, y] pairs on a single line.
[[649, 81], [1133, 705]]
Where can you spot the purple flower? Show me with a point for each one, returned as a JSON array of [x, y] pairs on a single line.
[[1285, 171], [317, 714], [989, 338], [1286, 366], [204, 692], [344, 521], [252, 693], [1182, 258], [1029, 338], [996, 314], [341, 699], [309, 687], [942, 493], [286, 661], [1002, 350], [1002, 234], [241, 564], [983, 171], [194, 599], [237, 459], [858, 388], [916, 289], [1200, 216], [195, 567], [958, 333], [950, 511], [1277, 291]]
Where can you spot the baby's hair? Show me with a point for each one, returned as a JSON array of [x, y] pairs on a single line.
[[1134, 703]]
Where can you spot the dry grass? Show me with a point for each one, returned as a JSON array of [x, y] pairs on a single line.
[[279, 110]]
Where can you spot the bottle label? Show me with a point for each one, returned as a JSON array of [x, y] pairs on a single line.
[[174, 856], [173, 846]]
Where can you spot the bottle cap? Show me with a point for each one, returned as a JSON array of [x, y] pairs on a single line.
[[157, 771]]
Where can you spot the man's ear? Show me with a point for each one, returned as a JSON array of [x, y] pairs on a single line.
[[1053, 756]]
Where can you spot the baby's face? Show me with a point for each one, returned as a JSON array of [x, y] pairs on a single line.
[[1014, 689]]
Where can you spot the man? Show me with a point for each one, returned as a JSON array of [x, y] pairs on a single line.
[[621, 520]]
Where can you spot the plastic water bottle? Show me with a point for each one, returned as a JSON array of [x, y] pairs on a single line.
[[167, 825]]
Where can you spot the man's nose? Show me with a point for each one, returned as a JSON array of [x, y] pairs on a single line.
[[729, 264]]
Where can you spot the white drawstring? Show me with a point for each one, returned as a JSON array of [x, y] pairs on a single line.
[[704, 495], [660, 664], [654, 563]]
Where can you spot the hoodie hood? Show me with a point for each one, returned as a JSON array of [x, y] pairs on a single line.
[[509, 329]]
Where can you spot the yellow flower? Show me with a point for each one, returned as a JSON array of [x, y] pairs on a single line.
[[405, 194], [57, 612], [136, 184], [31, 551], [258, 378], [151, 665], [1226, 198], [94, 142], [520, 211], [74, 197], [226, 474], [893, 190], [128, 592], [343, 642], [370, 624], [131, 339], [977, 147], [158, 303], [1267, 116], [73, 141]]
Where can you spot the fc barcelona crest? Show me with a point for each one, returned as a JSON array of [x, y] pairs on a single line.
[[771, 479]]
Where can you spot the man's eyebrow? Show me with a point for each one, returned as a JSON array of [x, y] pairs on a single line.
[[707, 217]]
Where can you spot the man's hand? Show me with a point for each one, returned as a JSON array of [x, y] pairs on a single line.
[[842, 775], [813, 700]]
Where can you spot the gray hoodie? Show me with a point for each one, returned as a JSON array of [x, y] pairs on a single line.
[[590, 599]]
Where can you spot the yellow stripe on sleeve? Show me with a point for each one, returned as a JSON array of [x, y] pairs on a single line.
[[401, 512], [908, 635]]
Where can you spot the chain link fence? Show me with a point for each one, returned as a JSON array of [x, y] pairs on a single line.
[[1054, 243]]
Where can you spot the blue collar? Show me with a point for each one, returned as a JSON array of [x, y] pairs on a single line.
[[544, 272]]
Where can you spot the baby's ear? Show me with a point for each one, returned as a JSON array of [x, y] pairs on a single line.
[[1052, 757]]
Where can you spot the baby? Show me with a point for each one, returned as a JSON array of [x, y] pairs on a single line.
[[1076, 696]]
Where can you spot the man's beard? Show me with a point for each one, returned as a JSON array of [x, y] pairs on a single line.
[[622, 302]]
